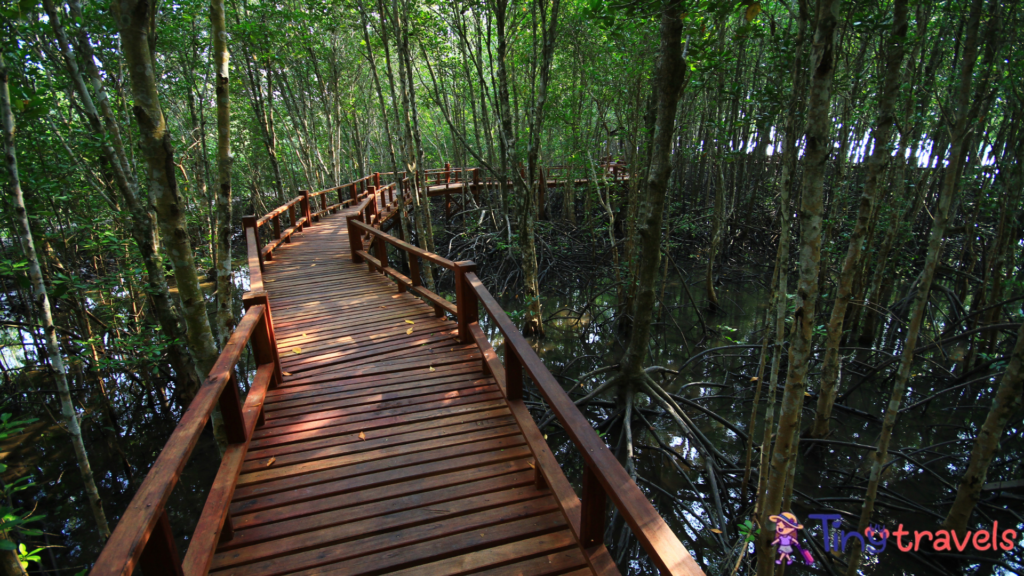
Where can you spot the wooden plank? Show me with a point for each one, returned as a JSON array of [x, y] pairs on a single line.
[[512, 472], [304, 470], [262, 436], [417, 544], [383, 520], [401, 461], [384, 419], [301, 451], [406, 392], [299, 392], [397, 383], [506, 554], [372, 479]]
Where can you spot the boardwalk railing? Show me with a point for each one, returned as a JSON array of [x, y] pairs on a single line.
[[311, 206], [603, 477], [143, 535]]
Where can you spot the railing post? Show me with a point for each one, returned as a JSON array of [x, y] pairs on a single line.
[[305, 207], [264, 342], [160, 555], [372, 208], [513, 374], [592, 513], [465, 300], [447, 172], [414, 270], [353, 192], [476, 184], [250, 222], [291, 216], [231, 410], [376, 179], [355, 237], [382, 253]]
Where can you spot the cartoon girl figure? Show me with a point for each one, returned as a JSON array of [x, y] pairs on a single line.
[[786, 526]]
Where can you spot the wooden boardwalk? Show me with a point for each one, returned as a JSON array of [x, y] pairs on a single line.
[[388, 448], [377, 436]]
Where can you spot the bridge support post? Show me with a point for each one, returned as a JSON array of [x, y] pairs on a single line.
[[513, 374], [355, 237], [264, 342], [592, 512], [231, 410], [305, 207], [382, 255], [249, 222], [372, 209], [292, 218], [160, 555], [465, 300]]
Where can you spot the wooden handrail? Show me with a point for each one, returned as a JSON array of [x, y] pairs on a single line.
[[142, 536], [603, 475], [405, 246], [604, 478], [279, 210]]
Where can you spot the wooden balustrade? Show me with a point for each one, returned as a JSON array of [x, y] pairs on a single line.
[[604, 479], [143, 536]]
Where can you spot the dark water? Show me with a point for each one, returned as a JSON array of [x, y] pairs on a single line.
[[580, 339], [928, 450]]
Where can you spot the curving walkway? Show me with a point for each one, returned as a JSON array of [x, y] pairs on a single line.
[[388, 448]]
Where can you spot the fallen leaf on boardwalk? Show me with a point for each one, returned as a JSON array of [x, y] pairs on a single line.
[[303, 334], [362, 436], [409, 322], [409, 331], [271, 461], [716, 530], [297, 350], [311, 265], [383, 306], [431, 368], [286, 373], [531, 465]]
